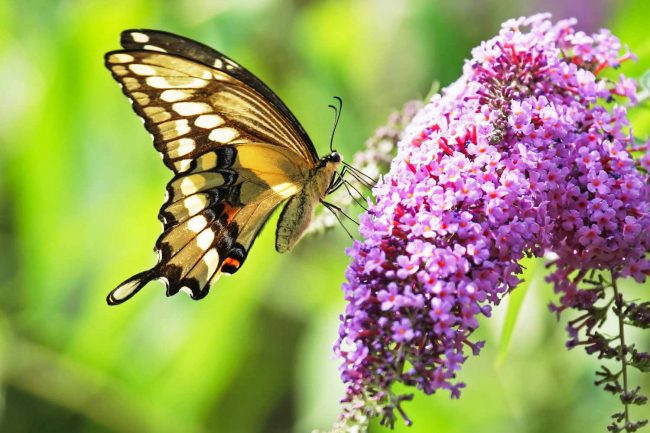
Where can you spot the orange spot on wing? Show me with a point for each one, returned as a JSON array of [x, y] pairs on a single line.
[[231, 262], [230, 265], [230, 211]]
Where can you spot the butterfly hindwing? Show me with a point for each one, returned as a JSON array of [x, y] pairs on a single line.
[[236, 152], [213, 213]]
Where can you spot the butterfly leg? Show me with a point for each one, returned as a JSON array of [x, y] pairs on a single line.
[[337, 181], [348, 185]]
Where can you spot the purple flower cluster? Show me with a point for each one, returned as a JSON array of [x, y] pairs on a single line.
[[520, 156]]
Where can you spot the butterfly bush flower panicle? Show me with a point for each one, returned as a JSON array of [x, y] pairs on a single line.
[[519, 157]]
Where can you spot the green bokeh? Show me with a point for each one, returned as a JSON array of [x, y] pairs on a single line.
[[80, 187]]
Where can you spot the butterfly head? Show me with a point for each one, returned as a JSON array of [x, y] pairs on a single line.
[[331, 161], [334, 157]]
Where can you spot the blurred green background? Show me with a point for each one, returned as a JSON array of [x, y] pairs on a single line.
[[80, 187]]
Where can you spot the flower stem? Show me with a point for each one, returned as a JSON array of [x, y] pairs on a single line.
[[621, 349]]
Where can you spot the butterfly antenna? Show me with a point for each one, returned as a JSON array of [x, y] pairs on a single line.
[[337, 115]]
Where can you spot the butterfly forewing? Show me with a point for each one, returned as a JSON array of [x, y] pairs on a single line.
[[235, 149], [173, 44], [189, 107]]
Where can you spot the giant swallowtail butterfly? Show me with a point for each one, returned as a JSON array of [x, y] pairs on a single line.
[[236, 151]]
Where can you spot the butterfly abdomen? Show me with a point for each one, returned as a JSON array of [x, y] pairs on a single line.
[[294, 220], [299, 210]]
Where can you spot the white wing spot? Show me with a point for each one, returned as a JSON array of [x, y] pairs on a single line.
[[207, 74], [139, 37], [174, 95], [173, 145], [120, 58], [191, 184], [204, 239], [125, 290], [173, 129], [191, 108], [223, 135], [185, 146], [218, 63], [154, 48], [195, 203], [220, 76], [197, 223], [142, 69], [182, 165], [211, 260], [172, 124], [176, 82], [208, 121]]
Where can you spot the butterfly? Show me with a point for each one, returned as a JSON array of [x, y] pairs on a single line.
[[236, 151]]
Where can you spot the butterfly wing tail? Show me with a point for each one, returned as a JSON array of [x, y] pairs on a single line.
[[130, 287]]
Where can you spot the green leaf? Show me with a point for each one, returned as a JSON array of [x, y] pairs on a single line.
[[515, 301]]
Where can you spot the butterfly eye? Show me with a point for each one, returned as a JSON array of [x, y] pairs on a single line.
[[335, 157]]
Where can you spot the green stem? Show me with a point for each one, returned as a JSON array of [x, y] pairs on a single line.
[[621, 348]]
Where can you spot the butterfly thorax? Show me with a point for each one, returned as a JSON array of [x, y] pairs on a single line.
[[299, 210], [323, 174]]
